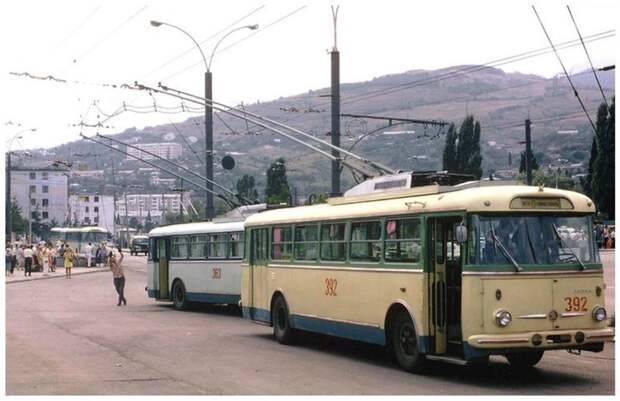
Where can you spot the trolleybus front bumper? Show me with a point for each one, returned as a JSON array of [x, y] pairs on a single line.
[[556, 339]]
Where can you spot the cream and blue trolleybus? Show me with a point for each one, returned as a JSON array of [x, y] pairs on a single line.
[[454, 273], [195, 262]]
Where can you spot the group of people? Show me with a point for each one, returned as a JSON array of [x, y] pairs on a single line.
[[605, 236], [37, 257], [43, 255]]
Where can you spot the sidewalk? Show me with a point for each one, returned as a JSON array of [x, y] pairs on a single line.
[[18, 275]]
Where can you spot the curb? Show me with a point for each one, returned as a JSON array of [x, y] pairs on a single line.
[[58, 276]]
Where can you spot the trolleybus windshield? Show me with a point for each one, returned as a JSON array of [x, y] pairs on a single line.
[[532, 239]]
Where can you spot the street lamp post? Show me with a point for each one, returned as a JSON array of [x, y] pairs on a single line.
[[209, 209], [8, 201]]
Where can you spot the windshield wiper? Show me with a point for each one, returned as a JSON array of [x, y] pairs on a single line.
[[557, 234], [505, 252]]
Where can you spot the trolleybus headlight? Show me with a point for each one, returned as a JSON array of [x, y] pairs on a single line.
[[537, 339], [503, 318], [599, 314]]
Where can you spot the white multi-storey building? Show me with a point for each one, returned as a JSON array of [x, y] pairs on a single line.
[[92, 210], [156, 205], [42, 190], [167, 150]]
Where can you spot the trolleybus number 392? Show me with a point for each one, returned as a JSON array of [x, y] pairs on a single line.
[[576, 304], [330, 286]]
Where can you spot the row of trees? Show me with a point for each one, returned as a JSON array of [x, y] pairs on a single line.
[[461, 153], [600, 183]]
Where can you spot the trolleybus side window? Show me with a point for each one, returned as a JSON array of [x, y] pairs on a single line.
[[198, 247], [402, 240], [282, 243], [333, 242], [306, 245], [366, 240], [260, 244], [235, 245], [179, 247], [217, 246], [152, 250]]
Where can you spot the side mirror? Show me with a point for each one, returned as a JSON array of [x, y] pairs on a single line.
[[460, 233]]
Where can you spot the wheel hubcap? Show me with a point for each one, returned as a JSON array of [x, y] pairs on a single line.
[[407, 339], [281, 318]]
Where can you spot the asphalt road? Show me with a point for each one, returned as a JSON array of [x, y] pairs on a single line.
[[69, 337]]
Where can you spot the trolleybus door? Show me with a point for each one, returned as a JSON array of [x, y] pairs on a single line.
[[163, 268], [437, 283]]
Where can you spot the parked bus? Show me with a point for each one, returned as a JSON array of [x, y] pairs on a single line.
[[195, 262], [453, 273], [78, 237]]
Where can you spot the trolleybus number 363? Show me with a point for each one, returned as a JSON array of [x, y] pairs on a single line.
[[576, 304], [330, 286]]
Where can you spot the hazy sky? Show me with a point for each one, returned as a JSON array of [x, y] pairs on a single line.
[[99, 42]]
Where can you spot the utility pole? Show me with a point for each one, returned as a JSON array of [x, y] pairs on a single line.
[[528, 151], [8, 200], [114, 200], [335, 95], [126, 221], [209, 210]]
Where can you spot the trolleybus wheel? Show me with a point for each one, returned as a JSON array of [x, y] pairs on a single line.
[[524, 360], [178, 296], [405, 343], [282, 330]]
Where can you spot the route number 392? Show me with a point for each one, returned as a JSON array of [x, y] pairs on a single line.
[[330, 286], [575, 304]]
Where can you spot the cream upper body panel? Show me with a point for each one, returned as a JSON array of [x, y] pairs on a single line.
[[425, 200]]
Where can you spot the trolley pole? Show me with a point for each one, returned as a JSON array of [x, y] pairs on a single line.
[[335, 106], [528, 152]]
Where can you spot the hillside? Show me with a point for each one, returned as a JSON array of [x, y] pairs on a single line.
[[500, 101]]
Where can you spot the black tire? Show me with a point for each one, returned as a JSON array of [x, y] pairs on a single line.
[[405, 344], [524, 360], [282, 330], [179, 297]]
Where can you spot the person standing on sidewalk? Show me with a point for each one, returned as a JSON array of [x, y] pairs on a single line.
[[52, 257], [88, 250], [68, 256], [44, 257], [28, 260], [118, 274], [20, 257], [7, 259]]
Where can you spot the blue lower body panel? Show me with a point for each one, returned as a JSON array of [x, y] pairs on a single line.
[[213, 298], [352, 331]]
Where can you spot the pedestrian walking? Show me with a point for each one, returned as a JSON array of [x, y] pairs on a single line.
[[88, 249], [7, 260], [52, 258], [28, 253], [20, 257], [68, 257], [115, 263], [13, 257], [44, 257]]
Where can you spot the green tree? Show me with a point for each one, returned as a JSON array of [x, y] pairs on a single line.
[[20, 224], [535, 165], [468, 158], [449, 150], [148, 222], [246, 188], [603, 169], [277, 190], [551, 178]]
